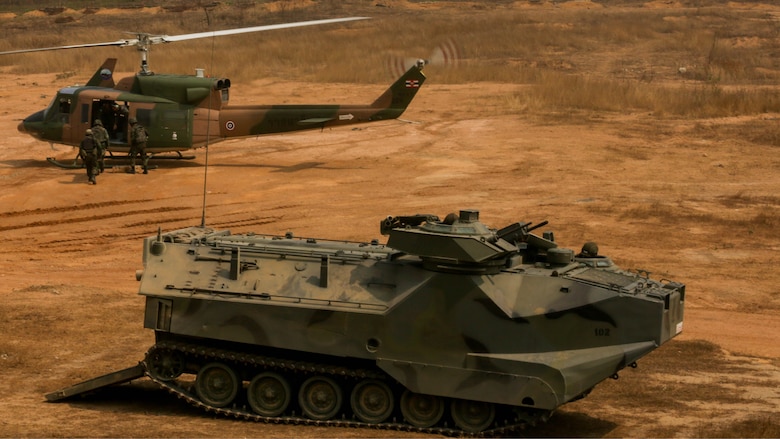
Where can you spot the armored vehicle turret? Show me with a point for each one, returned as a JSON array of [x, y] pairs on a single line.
[[450, 327]]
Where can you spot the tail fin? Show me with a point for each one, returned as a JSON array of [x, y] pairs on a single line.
[[395, 99], [104, 76]]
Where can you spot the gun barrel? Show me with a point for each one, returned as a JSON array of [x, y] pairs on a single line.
[[541, 224], [512, 232]]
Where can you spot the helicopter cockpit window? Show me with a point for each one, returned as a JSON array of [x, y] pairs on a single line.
[[52, 109], [65, 105], [60, 106], [59, 110]]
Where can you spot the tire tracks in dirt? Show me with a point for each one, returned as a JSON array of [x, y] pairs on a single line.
[[85, 219], [80, 228]]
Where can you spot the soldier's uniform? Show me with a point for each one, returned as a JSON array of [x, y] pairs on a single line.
[[138, 137], [88, 150], [120, 120], [100, 134]]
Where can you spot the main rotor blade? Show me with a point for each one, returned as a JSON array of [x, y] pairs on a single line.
[[217, 33], [75, 46], [144, 40]]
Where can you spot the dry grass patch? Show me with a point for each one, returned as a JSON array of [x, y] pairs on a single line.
[[763, 222], [637, 389], [760, 131], [682, 379], [695, 63], [755, 427]]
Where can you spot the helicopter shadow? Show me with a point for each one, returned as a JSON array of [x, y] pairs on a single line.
[[78, 177], [303, 166], [162, 166], [29, 163]]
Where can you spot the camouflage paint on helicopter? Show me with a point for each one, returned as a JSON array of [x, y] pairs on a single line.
[[182, 112]]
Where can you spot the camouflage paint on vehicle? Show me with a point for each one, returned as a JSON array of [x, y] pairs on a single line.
[[182, 112], [494, 327]]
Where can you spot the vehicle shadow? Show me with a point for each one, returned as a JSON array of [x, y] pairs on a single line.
[[140, 396]]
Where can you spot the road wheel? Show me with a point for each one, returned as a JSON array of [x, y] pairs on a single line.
[[216, 384], [320, 398], [472, 416], [269, 394], [164, 364], [372, 401], [420, 410]]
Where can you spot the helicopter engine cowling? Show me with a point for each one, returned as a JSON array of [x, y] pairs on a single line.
[[196, 94]]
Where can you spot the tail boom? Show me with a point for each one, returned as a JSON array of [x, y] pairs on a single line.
[[254, 120]]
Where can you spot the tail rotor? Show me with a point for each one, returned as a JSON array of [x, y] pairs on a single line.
[[446, 54]]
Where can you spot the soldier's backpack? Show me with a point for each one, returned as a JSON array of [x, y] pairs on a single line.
[[140, 134]]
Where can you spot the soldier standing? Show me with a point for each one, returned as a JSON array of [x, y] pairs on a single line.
[[88, 152], [120, 120], [107, 118], [138, 137], [100, 135]]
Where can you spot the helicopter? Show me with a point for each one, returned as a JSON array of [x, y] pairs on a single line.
[[184, 112]]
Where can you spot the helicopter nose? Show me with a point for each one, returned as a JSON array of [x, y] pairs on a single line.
[[32, 124]]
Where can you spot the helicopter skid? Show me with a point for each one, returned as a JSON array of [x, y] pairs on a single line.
[[77, 163]]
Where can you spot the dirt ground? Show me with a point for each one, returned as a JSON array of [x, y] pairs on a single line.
[[681, 206]]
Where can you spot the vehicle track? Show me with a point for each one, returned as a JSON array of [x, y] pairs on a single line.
[[204, 354]]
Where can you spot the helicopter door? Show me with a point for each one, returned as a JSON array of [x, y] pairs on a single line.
[[113, 115], [78, 127], [78, 134], [61, 115], [168, 126]]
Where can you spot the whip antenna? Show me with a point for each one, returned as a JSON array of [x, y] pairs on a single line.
[[208, 138]]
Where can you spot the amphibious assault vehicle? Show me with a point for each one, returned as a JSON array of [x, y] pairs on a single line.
[[450, 327]]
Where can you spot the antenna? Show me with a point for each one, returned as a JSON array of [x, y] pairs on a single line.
[[205, 178], [208, 137]]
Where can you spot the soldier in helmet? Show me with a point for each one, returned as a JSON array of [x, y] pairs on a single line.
[[120, 121], [589, 250], [88, 151], [100, 135], [138, 137]]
